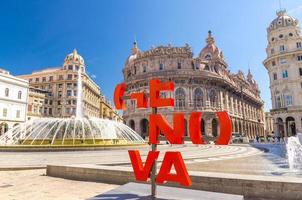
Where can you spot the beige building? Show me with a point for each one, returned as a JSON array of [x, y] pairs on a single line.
[[284, 66], [202, 83], [38, 105], [60, 84]]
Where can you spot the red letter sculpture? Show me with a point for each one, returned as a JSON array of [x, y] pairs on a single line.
[[159, 124], [181, 176], [155, 87], [141, 172], [119, 95], [141, 99], [225, 128], [194, 127]]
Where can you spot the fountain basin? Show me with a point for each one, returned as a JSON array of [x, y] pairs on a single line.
[[70, 133]]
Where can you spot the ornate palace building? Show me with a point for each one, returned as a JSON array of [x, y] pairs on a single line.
[[284, 66], [59, 87], [202, 83]]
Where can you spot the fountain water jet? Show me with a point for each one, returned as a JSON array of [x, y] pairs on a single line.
[[294, 152]]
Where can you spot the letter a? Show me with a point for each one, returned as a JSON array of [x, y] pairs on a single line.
[[142, 173], [182, 177]]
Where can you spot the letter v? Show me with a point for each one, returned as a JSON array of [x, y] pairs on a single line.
[[142, 173]]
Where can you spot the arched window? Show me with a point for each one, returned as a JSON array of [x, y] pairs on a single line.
[[212, 97], [208, 57], [6, 92], [198, 97], [19, 95], [207, 68], [180, 97], [161, 66]]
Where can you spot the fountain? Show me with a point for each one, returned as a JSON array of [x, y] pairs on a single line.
[[76, 131], [294, 152]]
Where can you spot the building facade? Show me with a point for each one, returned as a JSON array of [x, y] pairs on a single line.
[[269, 124], [202, 83], [284, 66], [38, 105], [59, 85], [13, 101]]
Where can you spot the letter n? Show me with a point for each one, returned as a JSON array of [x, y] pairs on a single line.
[[159, 124]]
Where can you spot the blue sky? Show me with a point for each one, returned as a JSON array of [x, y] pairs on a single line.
[[38, 34]]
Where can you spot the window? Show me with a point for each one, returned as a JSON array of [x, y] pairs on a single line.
[[69, 77], [51, 78], [61, 77], [69, 85], [272, 51], [208, 57], [60, 85], [37, 79], [70, 67], [300, 71], [275, 76], [60, 94], [144, 68], [288, 100], [301, 85], [19, 95], [69, 93], [180, 98], [290, 35], [281, 36], [273, 39], [30, 80], [198, 97], [179, 65], [50, 102], [278, 102], [6, 92], [18, 114], [59, 103], [44, 79], [299, 58], [298, 45], [75, 93], [4, 114], [273, 63], [282, 48], [50, 111], [284, 74], [282, 60], [77, 68], [161, 66]]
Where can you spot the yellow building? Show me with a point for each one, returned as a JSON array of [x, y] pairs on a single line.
[[107, 112]]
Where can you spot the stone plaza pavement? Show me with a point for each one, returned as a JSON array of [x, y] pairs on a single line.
[[116, 156], [34, 185]]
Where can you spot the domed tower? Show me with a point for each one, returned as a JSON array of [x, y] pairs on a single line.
[[74, 61], [284, 66], [210, 57]]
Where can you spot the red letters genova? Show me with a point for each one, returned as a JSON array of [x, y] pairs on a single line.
[[175, 135]]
